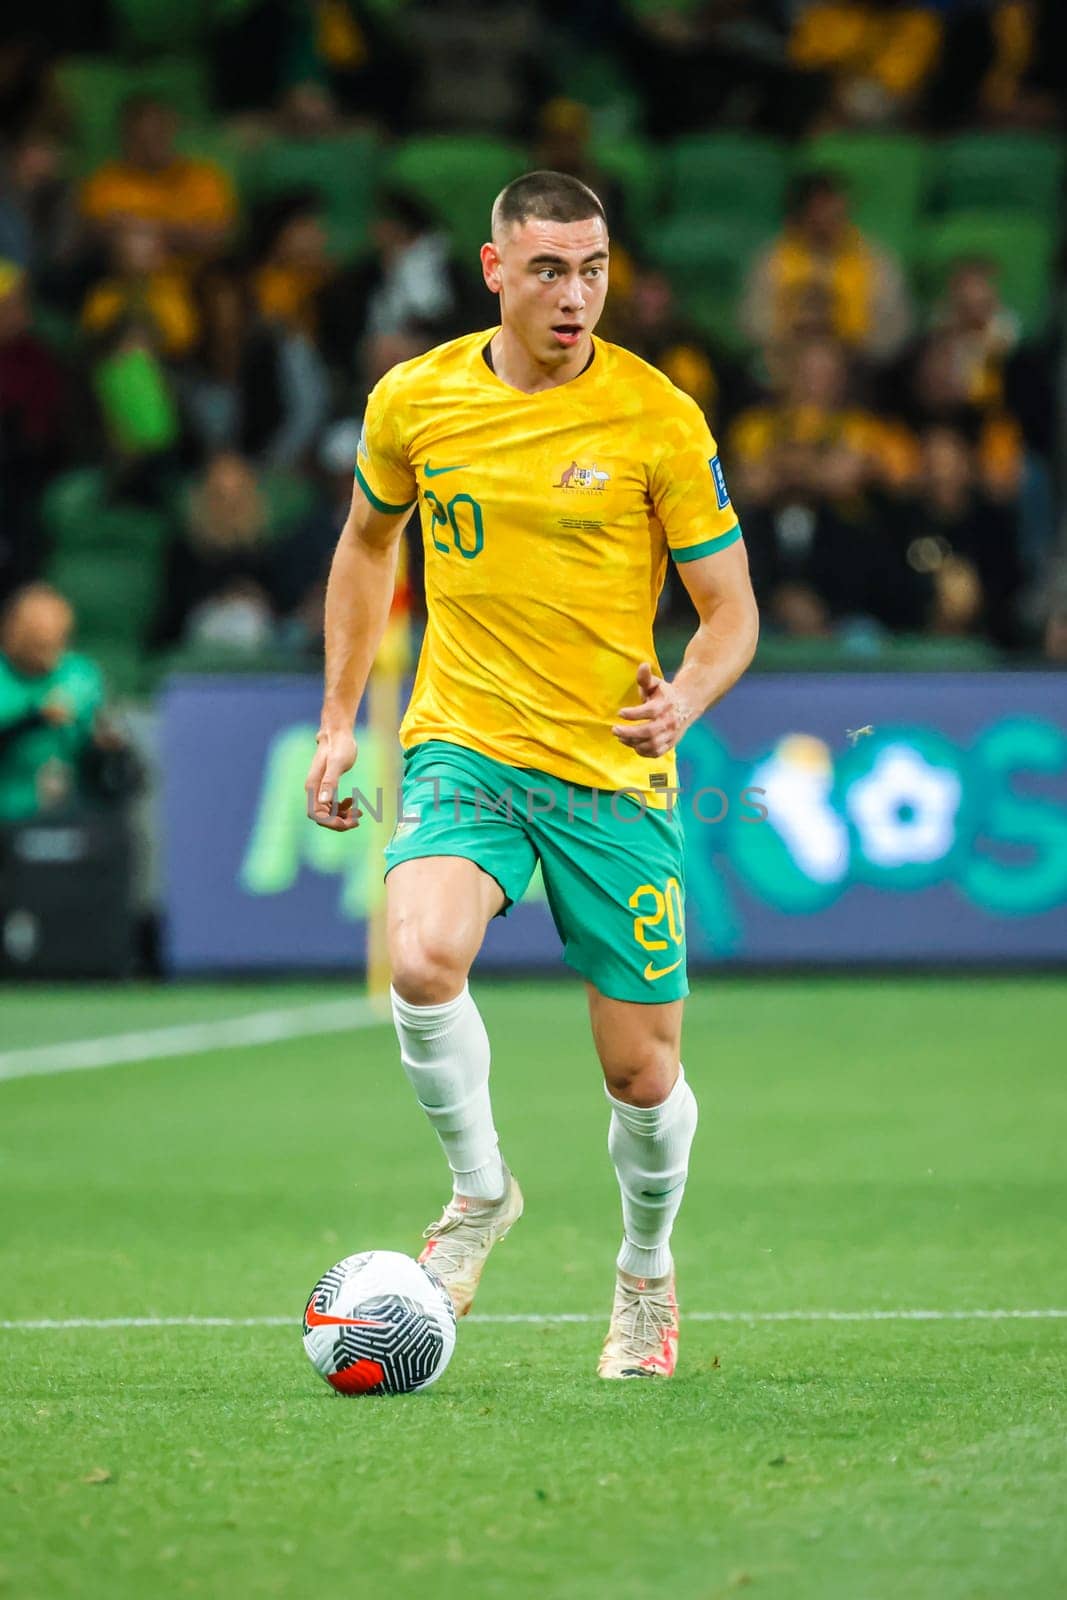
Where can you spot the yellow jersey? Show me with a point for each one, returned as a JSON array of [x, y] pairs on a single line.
[[546, 521]]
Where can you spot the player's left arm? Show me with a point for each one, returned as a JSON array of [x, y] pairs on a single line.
[[716, 656]]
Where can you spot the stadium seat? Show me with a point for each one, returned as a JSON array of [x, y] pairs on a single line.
[[343, 169], [1001, 172], [886, 174], [78, 517], [595, 79], [726, 175], [113, 592], [290, 497], [458, 177], [155, 25], [708, 259], [635, 166], [211, 141], [1021, 247], [93, 89]]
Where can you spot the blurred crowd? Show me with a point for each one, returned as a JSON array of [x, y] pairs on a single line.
[[183, 362]]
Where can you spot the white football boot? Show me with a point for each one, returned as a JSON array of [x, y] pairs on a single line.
[[462, 1237], [642, 1339]]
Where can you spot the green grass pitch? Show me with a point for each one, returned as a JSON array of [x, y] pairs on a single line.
[[881, 1145]]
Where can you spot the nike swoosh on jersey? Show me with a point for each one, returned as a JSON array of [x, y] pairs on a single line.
[[436, 472], [317, 1319], [661, 972]]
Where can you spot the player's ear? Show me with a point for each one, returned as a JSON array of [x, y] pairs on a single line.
[[491, 267]]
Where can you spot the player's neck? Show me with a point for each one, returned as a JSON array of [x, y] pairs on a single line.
[[515, 366]]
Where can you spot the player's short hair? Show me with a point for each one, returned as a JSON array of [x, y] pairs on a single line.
[[547, 197]]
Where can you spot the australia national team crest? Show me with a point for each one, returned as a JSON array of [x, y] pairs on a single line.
[[589, 478]]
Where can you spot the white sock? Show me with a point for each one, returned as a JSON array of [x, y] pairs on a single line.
[[445, 1051], [650, 1148]]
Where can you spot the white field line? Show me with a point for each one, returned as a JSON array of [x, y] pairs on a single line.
[[999, 1314], [192, 1038]]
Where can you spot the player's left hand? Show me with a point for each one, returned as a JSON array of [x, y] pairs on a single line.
[[658, 722]]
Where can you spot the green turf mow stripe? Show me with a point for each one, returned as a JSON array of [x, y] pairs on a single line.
[[193, 1038], [524, 1318]]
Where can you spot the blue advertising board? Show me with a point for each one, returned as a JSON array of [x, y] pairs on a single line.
[[857, 818]]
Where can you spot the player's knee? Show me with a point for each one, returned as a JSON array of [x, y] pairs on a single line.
[[427, 969], [645, 1077]]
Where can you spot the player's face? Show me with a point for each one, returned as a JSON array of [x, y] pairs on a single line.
[[552, 278]]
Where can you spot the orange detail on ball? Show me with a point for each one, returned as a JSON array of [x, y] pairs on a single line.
[[364, 1374]]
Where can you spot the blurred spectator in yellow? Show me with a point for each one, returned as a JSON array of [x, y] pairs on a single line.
[[813, 438], [822, 275], [702, 63], [982, 331], [32, 434], [143, 290], [219, 580], [961, 543], [651, 324], [878, 54], [563, 134], [940, 392], [50, 700], [191, 200], [815, 479], [253, 384], [294, 263], [1005, 64]]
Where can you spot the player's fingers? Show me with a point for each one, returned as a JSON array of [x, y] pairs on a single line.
[[647, 681], [639, 713]]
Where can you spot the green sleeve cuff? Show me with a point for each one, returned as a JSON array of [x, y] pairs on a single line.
[[379, 505], [710, 546]]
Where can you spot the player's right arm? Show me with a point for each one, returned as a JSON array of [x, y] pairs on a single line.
[[358, 596]]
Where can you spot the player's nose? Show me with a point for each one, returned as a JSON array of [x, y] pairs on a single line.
[[572, 296]]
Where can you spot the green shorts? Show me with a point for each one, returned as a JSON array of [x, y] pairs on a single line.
[[613, 869]]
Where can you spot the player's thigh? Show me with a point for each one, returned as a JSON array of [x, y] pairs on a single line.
[[438, 908], [638, 1045], [458, 857], [615, 882]]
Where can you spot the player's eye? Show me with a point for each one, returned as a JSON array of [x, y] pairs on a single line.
[[547, 274]]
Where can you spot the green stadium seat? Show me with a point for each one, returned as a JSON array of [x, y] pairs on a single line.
[[290, 497], [708, 260], [1001, 172], [113, 592], [78, 517], [458, 176], [635, 166], [147, 26], [726, 175], [210, 141], [93, 89], [1022, 248], [887, 176], [344, 169], [596, 80]]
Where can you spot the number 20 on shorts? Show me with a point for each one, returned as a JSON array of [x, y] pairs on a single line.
[[659, 911]]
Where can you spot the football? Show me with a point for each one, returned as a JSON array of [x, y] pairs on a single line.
[[379, 1323]]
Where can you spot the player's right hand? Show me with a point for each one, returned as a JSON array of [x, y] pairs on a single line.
[[335, 754]]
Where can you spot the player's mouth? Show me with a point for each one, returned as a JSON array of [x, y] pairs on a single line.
[[567, 333]]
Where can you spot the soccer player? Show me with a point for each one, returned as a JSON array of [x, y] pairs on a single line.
[[554, 473]]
